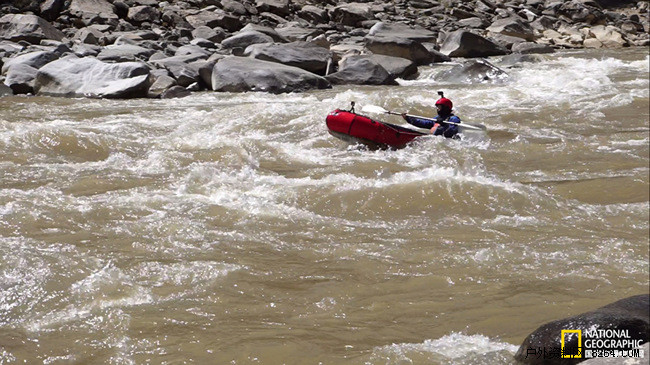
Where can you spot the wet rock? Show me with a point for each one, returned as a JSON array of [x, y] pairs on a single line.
[[473, 71], [237, 74], [5, 90], [175, 92], [29, 28], [361, 70], [631, 314], [530, 47], [299, 54], [462, 43], [161, 84], [88, 77]]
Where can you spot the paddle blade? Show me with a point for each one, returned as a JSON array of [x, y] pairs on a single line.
[[374, 109]]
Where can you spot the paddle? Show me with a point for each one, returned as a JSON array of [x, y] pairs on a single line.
[[380, 110]]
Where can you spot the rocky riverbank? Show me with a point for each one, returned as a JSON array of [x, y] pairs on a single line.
[[146, 48]]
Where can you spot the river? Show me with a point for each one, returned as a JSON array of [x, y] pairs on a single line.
[[233, 229]]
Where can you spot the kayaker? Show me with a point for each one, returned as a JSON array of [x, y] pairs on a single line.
[[437, 125]]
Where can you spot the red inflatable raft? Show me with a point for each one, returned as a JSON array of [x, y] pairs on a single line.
[[353, 127]]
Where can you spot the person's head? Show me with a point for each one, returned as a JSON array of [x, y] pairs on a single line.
[[444, 106]]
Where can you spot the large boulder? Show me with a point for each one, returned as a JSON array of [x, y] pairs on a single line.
[[399, 30], [246, 38], [306, 56], [473, 71], [124, 53], [20, 78], [399, 47], [33, 59], [92, 11], [361, 70], [352, 14], [462, 43], [513, 27], [630, 316], [238, 74], [29, 28], [397, 67], [89, 77], [5, 90]]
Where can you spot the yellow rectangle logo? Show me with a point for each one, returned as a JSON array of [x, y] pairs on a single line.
[[572, 354]]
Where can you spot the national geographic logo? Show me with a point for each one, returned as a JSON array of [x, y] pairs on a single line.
[[599, 343]]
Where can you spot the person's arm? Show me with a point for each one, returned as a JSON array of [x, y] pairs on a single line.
[[418, 122]]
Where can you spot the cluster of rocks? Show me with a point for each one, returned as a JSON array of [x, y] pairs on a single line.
[[146, 48]]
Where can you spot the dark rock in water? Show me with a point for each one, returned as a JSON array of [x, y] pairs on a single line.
[[473, 71], [5, 90], [303, 55], [361, 70], [29, 28], [175, 92], [20, 78], [462, 43], [516, 59], [89, 77], [238, 74], [530, 48], [631, 314]]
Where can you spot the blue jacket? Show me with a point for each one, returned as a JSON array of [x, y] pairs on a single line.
[[445, 129]]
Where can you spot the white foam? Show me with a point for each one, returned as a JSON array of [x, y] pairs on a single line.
[[449, 347]]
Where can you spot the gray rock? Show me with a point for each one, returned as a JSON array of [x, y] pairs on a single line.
[[192, 50], [20, 78], [303, 55], [530, 47], [124, 53], [159, 86], [397, 67], [141, 14], [361, 70], [89, 77], [631, 314], [233, 7], [246, 38], [214, 35], [50, 9], [33, 59], [266, 30], [175, 92], [237, 74], [352, 14], [90, 10], [293, 31], [5, 90], [313, 14], [278, 7], [512, 27], [90, 35], [399, 47], [29, 28], [398, 30], [462, 43], [215, 19], [473, 71]]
